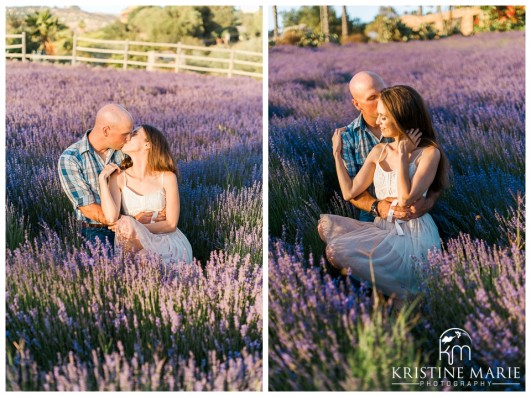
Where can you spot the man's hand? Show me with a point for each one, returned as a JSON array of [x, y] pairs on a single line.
[[145, 217], [401, 213], [415, 210], [420, 207]]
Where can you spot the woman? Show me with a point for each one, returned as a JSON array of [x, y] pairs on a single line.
[[148, 182], [385, 252]]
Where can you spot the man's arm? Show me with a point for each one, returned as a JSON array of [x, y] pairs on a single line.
[[365, 200], [424, 205], [93, 211], [77, 189]]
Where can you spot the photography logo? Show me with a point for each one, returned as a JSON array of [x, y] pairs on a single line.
[[455, 343], [455, 369]]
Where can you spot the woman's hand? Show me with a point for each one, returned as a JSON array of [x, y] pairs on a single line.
[[337, 143], [107, 171], [406, 146]]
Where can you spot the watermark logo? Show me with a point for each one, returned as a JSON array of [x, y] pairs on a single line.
[[455, 343], [456, 369]]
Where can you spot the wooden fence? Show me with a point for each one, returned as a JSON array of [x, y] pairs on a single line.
[[139, 54]]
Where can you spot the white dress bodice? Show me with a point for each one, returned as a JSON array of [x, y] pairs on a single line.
[[386, 183], [133, 203]]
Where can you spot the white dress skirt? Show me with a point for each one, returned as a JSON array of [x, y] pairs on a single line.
[[172, 247], [392, 252]]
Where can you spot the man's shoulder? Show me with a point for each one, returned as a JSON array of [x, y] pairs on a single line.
[[72, 151], [352, 131], [355, 125]]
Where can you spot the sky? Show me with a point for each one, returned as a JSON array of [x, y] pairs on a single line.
[[109, 7]]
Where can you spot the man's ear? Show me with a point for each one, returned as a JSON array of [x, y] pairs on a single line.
[[355, 104], [106, 130]]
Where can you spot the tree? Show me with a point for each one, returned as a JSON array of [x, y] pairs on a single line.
[[275, 20], [251, 24], [43, 29], [344, 23], [325, 25], [387, 27]]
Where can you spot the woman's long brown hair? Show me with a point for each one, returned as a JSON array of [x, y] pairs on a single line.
[[409, 111], [159, 157]]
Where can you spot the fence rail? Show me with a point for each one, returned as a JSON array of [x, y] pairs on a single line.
[[181, 58]]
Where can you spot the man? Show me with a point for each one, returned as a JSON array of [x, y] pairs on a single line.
[[358, 139], [81, 164]]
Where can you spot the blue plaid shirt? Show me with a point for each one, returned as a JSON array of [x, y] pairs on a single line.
[[79, 168], [357, 142]]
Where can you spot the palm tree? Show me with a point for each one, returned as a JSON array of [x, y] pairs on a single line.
[[43, 28], [275, 19], [439, 12], [344, 23], [325, 27]]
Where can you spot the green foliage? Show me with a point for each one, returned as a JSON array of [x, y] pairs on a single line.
[[503, 18], [316, 40], [386, 28], [16, 232], [165, 24], [251, 24], [310, 16], [43, 29], [425, 32]]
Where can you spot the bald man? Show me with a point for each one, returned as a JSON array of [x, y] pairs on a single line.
[[359, 137], [81, 164]]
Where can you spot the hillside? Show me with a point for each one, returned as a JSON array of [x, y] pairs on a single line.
[[76, 19]]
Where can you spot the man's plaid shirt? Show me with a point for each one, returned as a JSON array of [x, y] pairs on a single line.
[[79, 168]]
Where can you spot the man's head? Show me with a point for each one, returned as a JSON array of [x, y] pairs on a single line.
[[115, 124], [365, 88]]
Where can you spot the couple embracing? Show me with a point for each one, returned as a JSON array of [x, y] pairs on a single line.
[[390, 166], [122, 183]]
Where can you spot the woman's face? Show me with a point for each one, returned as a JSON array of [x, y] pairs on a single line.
[[385, 122], [137, 143]]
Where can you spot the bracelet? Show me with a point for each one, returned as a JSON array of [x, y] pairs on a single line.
[[391, 211], [374, 208]]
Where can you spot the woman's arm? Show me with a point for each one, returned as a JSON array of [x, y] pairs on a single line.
[[173, 206], [410, 190], [353, 187], [110, 195]]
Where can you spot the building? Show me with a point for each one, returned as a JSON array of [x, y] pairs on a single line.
[[463, 19]]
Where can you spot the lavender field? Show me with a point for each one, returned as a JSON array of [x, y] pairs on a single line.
[[78, 318], [325, 333]]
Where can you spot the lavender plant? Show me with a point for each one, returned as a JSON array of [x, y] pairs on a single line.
[[80, 319], [477, 283]]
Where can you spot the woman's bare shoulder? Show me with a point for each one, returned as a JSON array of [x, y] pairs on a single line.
[[376, 151], [118, 178], [169, 177]]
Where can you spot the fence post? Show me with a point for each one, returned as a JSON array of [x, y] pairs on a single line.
[[178, 57], [151, 61], [74, 49], [231, 63], [23, 46], [126, 49]]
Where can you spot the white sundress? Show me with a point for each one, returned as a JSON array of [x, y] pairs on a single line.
[[172, 247], [392, 249]]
